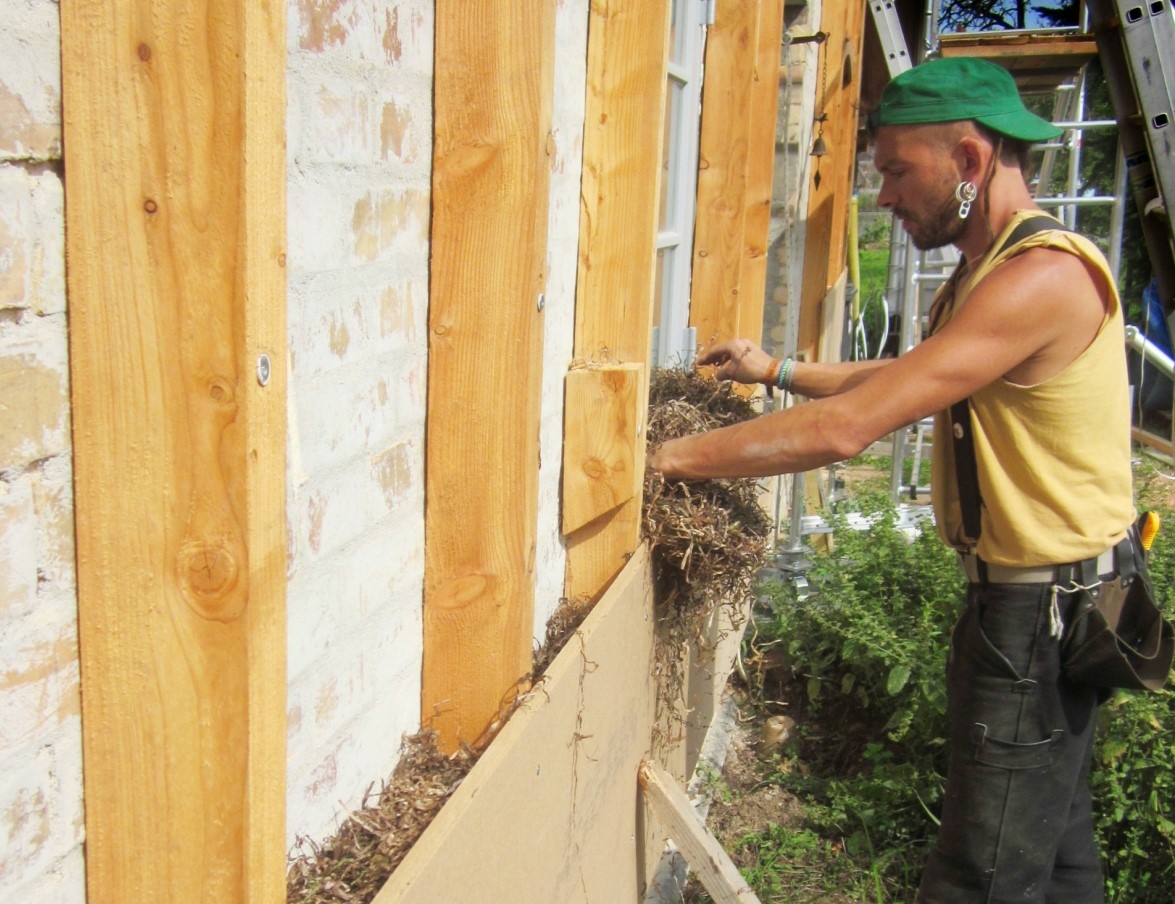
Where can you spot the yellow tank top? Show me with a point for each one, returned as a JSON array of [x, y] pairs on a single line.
[[1053, 458]]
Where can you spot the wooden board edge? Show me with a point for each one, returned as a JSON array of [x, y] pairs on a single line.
[[701, 850], [566, 666]]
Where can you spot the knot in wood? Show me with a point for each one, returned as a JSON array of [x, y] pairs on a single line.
[[220, 391], [208, 574]]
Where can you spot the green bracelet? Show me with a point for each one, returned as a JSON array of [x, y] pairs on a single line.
[[786, 372]]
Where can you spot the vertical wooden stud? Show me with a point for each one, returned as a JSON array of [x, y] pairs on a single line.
[[623, 134], [825, 237], [174, 122], [764, 105], [731, 55], [491, 173]]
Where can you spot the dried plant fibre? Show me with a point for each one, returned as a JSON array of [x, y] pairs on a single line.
[[707, 540]]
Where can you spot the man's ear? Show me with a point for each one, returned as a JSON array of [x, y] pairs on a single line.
[[973, 157]]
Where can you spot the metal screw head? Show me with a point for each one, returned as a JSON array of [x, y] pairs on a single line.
[[542, 302], [263, 370]]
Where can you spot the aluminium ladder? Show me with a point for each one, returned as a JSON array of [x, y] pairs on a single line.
[[1136, 44]]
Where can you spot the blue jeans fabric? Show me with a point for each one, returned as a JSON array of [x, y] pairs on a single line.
[[1016, 822]]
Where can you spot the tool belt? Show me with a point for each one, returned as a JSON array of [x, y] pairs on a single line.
[[1104, 566], [1117, 636]]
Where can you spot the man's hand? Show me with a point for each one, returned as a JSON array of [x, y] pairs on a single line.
[[740, 360]]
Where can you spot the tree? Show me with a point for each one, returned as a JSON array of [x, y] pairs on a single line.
[[1000, 15], [983, 15]]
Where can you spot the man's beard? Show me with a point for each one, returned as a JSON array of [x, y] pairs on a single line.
[[936, 229]]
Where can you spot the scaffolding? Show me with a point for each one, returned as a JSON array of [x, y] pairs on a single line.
[[1130, 40]]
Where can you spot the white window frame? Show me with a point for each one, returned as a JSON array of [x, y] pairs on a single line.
[[674, 343]]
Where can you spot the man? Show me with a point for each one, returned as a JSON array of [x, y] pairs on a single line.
[[1029, 331]]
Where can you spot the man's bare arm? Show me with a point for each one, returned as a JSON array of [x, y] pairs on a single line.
[[819, 381], [744, 362], [1037, 312]]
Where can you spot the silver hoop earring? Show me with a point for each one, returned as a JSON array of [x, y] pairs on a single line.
[[965, 194]]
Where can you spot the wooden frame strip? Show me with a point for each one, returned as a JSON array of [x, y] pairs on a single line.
[[174, 123], [599, 446], [491, 176], [701, 850], [831, 176], [760, 170], [716, 299], [628, 45]]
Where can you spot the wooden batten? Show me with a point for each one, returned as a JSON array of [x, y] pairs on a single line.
[[716, 300], [491, 174], [764, 108], [601, 419], [701, 850], [174, 128], [838, 92], [623, 135]]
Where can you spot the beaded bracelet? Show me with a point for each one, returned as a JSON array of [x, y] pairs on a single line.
[[787, 371]]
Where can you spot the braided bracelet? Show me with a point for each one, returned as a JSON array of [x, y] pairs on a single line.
[[773, 373], [787, 370]]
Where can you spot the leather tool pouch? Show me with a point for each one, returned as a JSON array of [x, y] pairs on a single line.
[[1117, 636]]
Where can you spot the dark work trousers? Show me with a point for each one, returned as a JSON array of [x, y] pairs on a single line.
[[1016, 823]]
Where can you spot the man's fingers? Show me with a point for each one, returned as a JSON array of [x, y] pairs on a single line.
[[712, 354]]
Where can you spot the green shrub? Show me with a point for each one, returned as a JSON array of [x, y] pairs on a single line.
[[869, 645], [1134, 778]]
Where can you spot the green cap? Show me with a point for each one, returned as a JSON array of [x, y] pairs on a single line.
[[958, 88]]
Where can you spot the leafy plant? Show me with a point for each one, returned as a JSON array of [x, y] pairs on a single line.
[[867, 648], [868, 645], [1133, 781]]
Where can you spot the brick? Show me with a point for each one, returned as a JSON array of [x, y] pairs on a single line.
[[15, 244], [63, 882], [335, 696], [397, 472], [41, 821], [397, 35], [334, 509], [401, 137], [356, 661], [18, 550], [32, 241], [52, 485], [346, 223], [376, 121], [39, 684], [381, 572], [30, 82], [345, 413], [327, 778], [385, 221], [46, 275], [358, 320], [34, 401], [343, 121]]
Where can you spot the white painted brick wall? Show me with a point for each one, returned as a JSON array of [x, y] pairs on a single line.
[[571, 25], [359, 133], [359, 149], [41, 823]]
